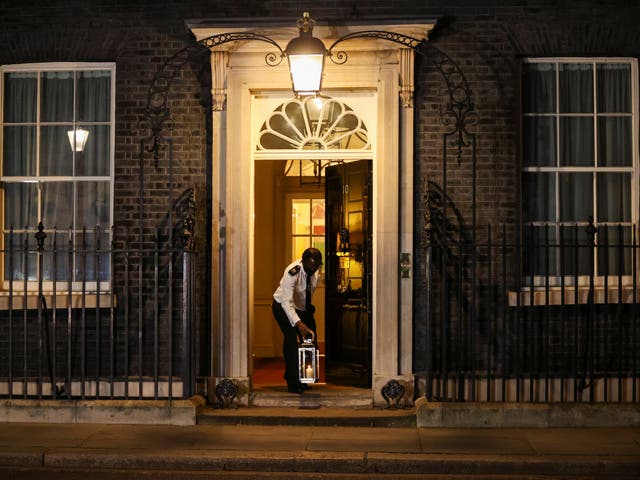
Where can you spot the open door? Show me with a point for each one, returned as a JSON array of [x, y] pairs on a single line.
[[348, 274]]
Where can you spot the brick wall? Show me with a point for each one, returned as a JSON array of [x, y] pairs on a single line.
[[486, 39]]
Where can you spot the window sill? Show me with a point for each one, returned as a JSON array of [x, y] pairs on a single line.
[[62, 300], [555, 296]]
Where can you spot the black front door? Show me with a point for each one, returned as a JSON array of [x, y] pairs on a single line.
[[348, 274]]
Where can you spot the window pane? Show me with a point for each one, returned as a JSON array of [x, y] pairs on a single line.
[[272, 142], [94, 159], [539, 197], [301, 216], [281, 124], [20, 97], [57, 97], [93, 205], [57, 204], [295, 126], [59, 267], [576, 197], [92, 256], [21, 259], [19, 151], [538, 88], [576, 142], [94, 96], [576, 252], [21, 205], [56, 157], [614, 251], [318, 242], [540, 251], [614, 87], [614, 197], [317, 216], [614, 141], [539, 141], [576, 88], [300, 244]]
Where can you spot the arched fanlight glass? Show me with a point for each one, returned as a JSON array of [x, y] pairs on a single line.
[[309, 124]]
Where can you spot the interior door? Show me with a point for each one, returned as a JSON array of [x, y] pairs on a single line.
[[348, 274]]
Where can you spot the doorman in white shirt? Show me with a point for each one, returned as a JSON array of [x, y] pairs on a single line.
[[293, 310]]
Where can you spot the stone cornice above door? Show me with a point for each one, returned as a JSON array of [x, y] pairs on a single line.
[[283, 30]]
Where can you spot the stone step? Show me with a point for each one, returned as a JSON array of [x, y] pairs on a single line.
[[320, 395], [302, 416], [322, 405]]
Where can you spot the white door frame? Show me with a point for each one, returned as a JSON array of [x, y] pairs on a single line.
[[382, 66]]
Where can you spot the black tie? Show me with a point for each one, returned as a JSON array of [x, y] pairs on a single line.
[[307, 299]]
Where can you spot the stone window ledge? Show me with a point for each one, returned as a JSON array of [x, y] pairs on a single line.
[[610, 295], [62, 300]]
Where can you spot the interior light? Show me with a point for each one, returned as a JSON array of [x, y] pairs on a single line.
[[78, 139]]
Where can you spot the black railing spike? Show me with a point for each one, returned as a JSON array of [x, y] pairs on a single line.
[[40, 237], [591, 231], [187, 232]]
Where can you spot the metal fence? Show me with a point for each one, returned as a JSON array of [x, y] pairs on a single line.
[[89, 314], [540, 314]]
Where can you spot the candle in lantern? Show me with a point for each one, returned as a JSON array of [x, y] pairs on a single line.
[[309, 372]]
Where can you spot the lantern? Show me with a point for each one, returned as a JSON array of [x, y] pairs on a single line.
[[308, 361], [306, 55], [78, 139]]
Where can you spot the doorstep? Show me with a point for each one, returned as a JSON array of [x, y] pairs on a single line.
[[322, 405], [309, 417]]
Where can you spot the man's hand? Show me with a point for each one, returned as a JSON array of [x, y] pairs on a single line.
[[303, 329]]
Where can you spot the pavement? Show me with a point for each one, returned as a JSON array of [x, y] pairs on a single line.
[[70, 451]]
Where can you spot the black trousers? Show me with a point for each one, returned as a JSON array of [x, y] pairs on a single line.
[[290, 342]]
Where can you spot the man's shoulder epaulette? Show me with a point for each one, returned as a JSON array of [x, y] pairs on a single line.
[[294, 270]]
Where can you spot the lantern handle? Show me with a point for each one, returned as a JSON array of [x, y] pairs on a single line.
[[309, 340]]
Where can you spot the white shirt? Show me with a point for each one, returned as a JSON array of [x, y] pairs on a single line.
[[292, 290]]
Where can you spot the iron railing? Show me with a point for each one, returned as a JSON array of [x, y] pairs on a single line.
[[539, 314], [90, 314]]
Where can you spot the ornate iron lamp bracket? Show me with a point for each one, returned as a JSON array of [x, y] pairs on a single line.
[[157, 112], [460, 112]]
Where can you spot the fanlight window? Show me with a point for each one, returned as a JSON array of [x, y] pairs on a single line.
[[313, 124]]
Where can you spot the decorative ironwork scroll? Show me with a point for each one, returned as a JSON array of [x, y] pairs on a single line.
[[460, 112], [157, 112]]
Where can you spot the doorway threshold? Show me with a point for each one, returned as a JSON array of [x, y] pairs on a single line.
[[320, 395]]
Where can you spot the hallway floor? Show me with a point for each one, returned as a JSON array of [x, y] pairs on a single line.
[[267, 373]]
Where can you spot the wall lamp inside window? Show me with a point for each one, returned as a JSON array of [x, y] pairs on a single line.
[[78, 139]]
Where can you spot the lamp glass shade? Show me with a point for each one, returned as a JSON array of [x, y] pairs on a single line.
[[307, 362], [78, 139], [306, 72]]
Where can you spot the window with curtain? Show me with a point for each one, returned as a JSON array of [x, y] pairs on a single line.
[[307, 225], [49, 176], [580, 163]]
